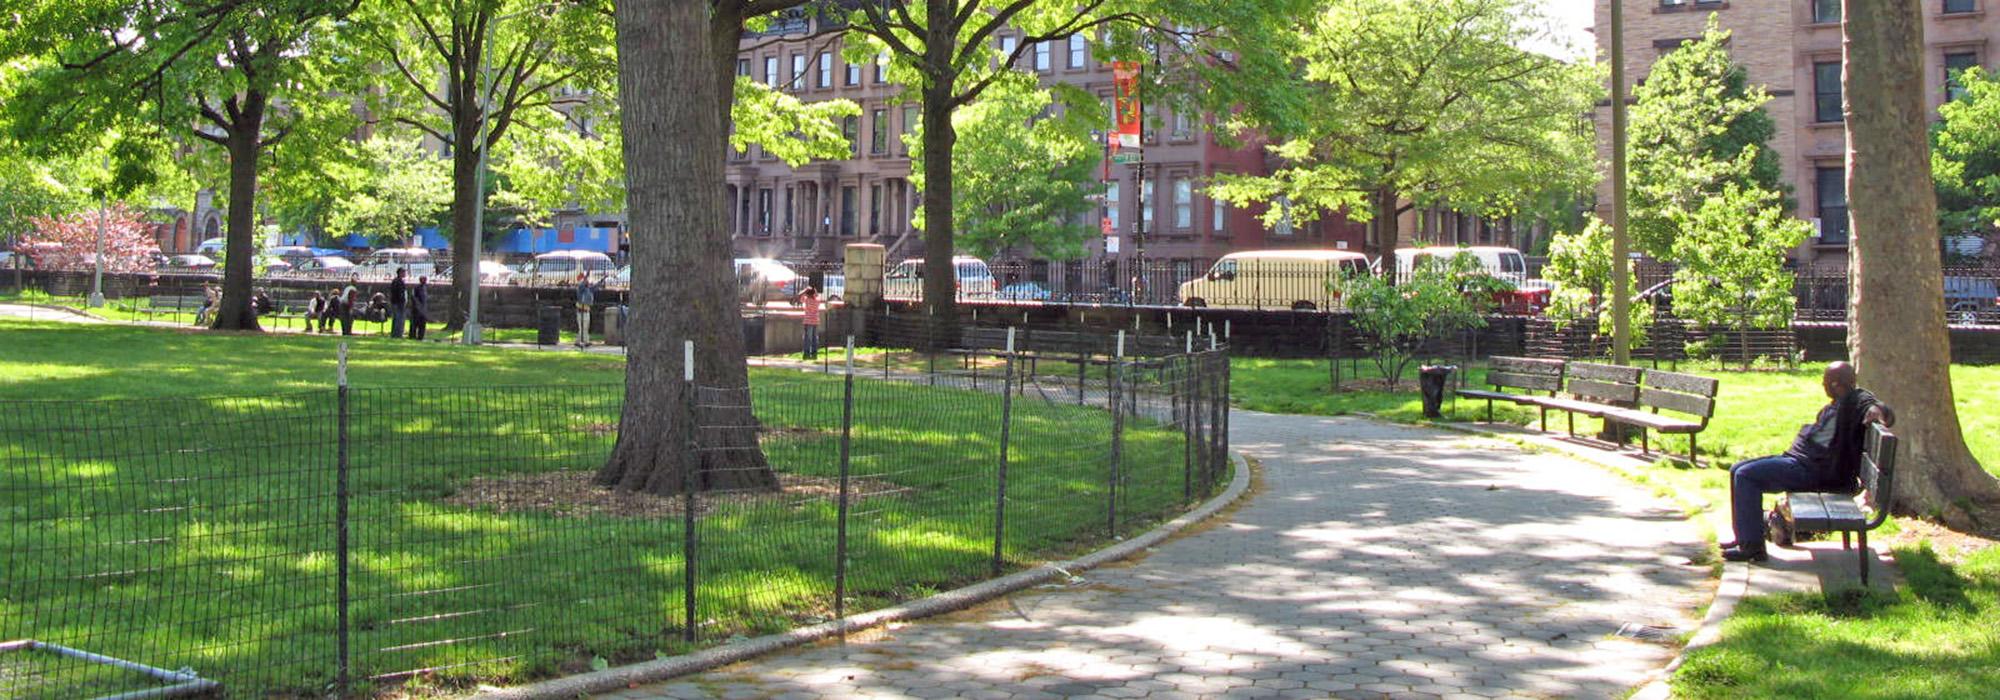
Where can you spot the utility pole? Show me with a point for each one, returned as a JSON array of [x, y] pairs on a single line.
[[97, 261], [1621, 263]]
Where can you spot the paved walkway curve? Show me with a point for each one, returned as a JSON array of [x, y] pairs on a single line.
[[1377, 561]]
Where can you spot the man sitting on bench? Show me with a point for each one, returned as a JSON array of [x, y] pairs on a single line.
[[1826, 456]]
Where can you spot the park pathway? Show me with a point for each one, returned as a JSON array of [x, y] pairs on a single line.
[[1375, 561]]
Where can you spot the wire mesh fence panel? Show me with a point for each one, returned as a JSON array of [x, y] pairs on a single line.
[[481, 548], [768, 488], [174, 534]]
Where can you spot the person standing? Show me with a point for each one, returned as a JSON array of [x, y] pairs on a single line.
[[809, 301], [397, 291], [329, 309], [349, 297], [586, 295], [420, 310]]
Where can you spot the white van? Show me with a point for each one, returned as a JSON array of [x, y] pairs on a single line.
[[1504, 263], [905, 281], [383, 263], [1301, 280], [558, 268]]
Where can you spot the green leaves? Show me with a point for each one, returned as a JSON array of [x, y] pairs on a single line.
[[1965, 156], [1581, 263], [1731, 250], [1440, 297], [1024, 169], [793, 131]]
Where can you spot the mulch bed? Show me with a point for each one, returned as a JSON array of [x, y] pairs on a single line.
[[572, 494]]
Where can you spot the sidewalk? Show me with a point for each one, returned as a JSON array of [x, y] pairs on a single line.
[[1378, 561]]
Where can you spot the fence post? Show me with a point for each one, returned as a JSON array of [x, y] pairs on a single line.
[[840, 532], [1006, 437], [689, 543], [1117, 404], [341, 556], [1082, 362], [1189, 400]]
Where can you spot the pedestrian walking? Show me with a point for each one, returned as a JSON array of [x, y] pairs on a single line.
[[350, 297], [420, 307], [809, 301], [586, 295], [397, 291]]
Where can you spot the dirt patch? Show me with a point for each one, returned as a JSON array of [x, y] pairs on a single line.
[[1952, 544], [571, 494]]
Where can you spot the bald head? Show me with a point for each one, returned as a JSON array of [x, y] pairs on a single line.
[[1838, 379]]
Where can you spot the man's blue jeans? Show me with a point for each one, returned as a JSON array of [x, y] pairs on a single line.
[[1749, 481], [396, 315]]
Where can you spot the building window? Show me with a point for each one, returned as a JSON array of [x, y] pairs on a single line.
[[1955, 63], [1111, 207], [878, 132], [764, 211], [798, 70], [1826, 11], [1219, 210], [1952, 7], [789, 208], [743, 67], [1042, 64], [824, 79], [1826, 92], [874, 209], [1179, 126], [1007, 46], [909, 129], [850, 128], [853, 74], [847, 210], [881, 68], [1079, 51], [1183, 203], [1831, 186], [1146, 203], [771, 71]]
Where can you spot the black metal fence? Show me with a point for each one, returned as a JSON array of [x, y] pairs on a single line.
[[354, 542]]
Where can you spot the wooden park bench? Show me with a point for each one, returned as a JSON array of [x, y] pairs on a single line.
[[1813, 511], [174, 305], [1519, 373], [1594, 390], [1687, 394]]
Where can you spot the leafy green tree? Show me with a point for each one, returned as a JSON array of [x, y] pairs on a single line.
[[1429, 103], [1731, 249], [400, 187], [1580, 263], [1692, 120], [236, 74], [1024, 180], [1441, 297], [1965, 156]]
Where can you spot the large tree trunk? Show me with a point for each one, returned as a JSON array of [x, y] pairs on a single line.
[[682, 286], [465, 194], [1383, 223], [1896, 330], [245, 145], [940, 139]]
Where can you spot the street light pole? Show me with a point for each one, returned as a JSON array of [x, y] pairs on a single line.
[[97, 260], [471, 334], [1621, 264]]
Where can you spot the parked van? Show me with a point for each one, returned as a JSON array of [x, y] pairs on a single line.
[[905, 281], [383, 263], [763, 280], [1301, 280], [558, 268], [1504, 263]]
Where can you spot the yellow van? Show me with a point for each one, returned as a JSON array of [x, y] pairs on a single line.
[[1301, 280]]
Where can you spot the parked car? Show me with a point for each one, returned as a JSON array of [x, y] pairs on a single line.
[[836, 288], [905, 281], [762, 280], [1968, 298], [491, 272], [558, 268], [416, 262], [324, 266], [187, 263], [1023, 291], [1301, 280], [212, 246]]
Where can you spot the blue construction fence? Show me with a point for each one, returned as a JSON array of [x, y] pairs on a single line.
[[520, 240]]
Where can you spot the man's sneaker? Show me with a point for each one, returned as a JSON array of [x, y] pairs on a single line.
[[1741, 554]]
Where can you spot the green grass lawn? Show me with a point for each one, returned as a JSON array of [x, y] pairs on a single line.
[[169, 499], [1935, 638]]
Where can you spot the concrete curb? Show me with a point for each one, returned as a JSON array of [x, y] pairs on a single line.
[[663, 669]]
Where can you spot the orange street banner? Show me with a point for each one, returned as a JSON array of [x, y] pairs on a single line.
[[1125, 102]]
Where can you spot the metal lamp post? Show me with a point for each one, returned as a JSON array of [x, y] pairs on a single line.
[[1621, 289], [97, 260]]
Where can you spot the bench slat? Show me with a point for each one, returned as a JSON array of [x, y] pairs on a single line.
[[1673, 401], [1541, 382], [1495, 395], [1527, 365], [1665, 424], [1614, 374], [1573, 406], [1602, 391], [1683, 383], [1821, 512]]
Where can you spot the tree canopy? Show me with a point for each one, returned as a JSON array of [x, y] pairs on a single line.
[[1026, 171], [1965, 156]]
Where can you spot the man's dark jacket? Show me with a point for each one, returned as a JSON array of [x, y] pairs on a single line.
[[1839, 464]]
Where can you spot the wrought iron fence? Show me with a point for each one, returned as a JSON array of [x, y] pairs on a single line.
[[362, 541]]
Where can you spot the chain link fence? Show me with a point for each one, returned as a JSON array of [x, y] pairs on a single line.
[[369, 541]]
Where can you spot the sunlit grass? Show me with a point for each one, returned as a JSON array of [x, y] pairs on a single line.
[[204, 487]]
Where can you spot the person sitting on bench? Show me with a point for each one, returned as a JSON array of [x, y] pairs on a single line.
[[1826, 456]]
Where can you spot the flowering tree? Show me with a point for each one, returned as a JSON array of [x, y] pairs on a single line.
[[70, 240]]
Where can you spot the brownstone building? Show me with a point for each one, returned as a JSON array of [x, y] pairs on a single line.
[[1792, 48], [809, 213]]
